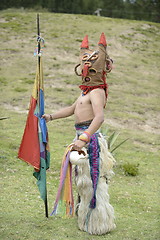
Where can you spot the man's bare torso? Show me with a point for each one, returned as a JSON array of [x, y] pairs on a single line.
[[83, 108]]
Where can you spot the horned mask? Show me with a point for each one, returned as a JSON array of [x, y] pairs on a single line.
[[94, 65]]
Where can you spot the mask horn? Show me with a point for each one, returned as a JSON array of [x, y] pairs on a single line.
[[102, 40], [85, 42]]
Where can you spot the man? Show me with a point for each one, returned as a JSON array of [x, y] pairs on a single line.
[[96, 166]]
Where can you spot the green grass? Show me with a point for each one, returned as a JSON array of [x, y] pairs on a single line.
[[132, 109]]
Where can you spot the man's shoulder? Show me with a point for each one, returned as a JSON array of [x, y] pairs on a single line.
[[98, 96], [97, 91]]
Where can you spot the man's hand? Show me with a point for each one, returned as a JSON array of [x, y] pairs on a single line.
[[78, 145], [47, 117]]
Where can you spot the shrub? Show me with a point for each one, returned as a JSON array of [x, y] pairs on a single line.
[[130, 169]]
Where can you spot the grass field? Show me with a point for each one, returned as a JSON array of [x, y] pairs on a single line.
[[133, 109]]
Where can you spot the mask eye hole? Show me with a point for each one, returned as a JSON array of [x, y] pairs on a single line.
[[85, 56], [94, 57], [92, 71]]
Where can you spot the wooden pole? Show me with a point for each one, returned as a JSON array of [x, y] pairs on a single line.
[[39, 62], [38, 33]]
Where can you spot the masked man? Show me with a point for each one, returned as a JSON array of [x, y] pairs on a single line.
[[88, 110]]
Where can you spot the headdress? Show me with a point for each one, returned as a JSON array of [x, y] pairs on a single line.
[[94, 65]]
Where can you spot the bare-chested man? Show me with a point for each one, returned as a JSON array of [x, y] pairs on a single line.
[[87, 107]]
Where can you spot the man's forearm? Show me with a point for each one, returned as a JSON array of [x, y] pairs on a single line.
[[96, 124], [65, 112]]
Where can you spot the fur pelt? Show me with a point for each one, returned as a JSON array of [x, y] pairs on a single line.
[[99, 220]]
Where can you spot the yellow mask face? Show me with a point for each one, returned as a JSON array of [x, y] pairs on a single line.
[[94, 64]]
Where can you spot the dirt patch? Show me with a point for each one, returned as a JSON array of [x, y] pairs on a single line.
[[14, 108], [2, 20], [151, 125]]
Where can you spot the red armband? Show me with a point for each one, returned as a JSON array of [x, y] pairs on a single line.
[[85, 137]]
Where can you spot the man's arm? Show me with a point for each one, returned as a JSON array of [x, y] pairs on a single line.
[[98, 99], [64, 112]]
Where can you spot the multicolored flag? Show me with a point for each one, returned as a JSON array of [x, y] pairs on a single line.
[[34, 148]]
